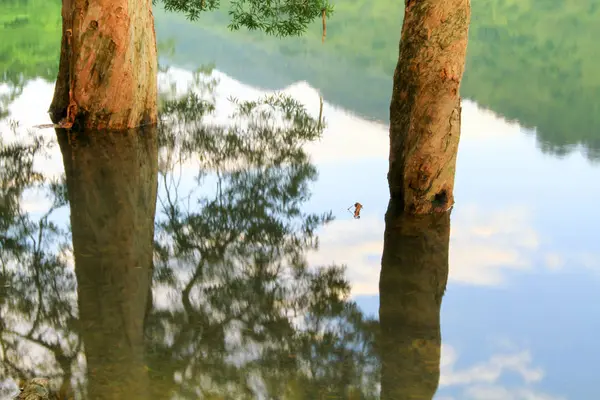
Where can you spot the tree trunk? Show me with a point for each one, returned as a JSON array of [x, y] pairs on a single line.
[[414, 273], [112, 181], [425, 108], [108, 65]]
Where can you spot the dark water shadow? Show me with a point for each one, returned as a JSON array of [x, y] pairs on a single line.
[[412, 283]]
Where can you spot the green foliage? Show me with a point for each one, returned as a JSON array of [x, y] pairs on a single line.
[[191, 8], [534, 61], [30, 45], [274, 17], [538, 60]]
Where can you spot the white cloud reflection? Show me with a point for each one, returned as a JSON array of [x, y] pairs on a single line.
[[496, 392], [483, 247], [481, 381], [489, 371], [486, 244]]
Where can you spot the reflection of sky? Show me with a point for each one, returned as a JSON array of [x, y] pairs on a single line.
[[519, 314]]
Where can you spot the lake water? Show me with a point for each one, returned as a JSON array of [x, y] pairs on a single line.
[[518, 317]]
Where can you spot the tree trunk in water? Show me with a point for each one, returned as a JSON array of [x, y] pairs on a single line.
[[414, 273], [108, 65], [425, 108], [112, 181]]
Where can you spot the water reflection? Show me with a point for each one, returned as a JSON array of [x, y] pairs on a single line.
[[233, 309], [50, 314], [246, 317], [236, 312], [112, 181], [507, 48], [37, 310], [414, 273], [504, 241]]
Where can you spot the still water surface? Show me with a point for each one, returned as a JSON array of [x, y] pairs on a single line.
[[245, 305]]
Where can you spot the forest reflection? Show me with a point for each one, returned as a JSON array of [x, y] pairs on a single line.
[[212, 297]]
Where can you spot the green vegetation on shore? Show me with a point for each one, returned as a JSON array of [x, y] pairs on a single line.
[[30, 45], [534, 61]]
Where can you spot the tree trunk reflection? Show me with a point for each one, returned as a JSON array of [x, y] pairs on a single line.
[[112, 183], [412, 283]]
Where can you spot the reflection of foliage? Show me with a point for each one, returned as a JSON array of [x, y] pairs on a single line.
[[30, 32], [36, 304], [534, 61], [246, 314], [539, 63], [519, 63], [249, 310]]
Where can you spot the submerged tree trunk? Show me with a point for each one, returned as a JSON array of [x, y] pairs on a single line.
[[112, 181], [108, 65], [425, 108], [414, 273]]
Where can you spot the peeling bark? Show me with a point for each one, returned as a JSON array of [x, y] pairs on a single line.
[[414, 273], [108, 65], [425, 107], [112, 181]]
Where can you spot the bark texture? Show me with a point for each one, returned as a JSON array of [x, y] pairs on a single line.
[[414, 273], [108, 65], [425, 107], [37, 389], [112, 182]]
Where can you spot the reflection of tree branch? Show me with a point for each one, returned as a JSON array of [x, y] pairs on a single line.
[[242, 251], [35, 279], [245, 247], [185, 294], [37, 254], [62, 359]]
